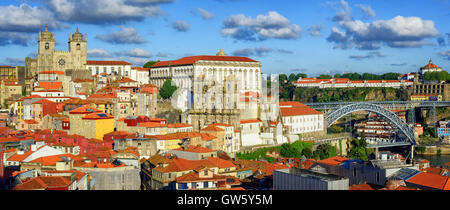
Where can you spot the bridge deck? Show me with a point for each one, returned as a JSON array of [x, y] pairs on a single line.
[[396, 144]]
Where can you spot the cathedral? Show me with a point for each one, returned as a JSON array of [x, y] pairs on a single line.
[[49, 59]]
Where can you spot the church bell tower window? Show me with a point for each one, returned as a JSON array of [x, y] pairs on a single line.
[[47, 46], [78, 46]]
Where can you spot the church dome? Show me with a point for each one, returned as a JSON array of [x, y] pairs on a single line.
[[221, 53], [430, 65], [77, 35]]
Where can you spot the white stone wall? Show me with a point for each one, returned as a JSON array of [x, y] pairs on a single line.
[[304, 123]]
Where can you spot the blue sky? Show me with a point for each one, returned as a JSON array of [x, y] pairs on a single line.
[[288, 36]]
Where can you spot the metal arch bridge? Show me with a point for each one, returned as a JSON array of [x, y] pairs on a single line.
[[404, 130], [386, 104]]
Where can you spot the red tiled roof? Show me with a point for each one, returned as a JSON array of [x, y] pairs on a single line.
[[124, 80], [193, 59], [44, 182], [52, 72], [51, 160], [86, 109], [51, 85], [108, 63], [207, 137], [212, 128], [361, 187], [333, 161], [250, 121], [97, 116], [152, 125], [44, 101], [140, 68], [221, 163], [429, 180], [196, 149]]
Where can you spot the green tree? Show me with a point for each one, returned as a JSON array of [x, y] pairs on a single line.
[[150, 63], [324, 151], [307, 152], [167, 89], [282, 78], [359, 150], [300, 75], [287, 150], [324, 76]]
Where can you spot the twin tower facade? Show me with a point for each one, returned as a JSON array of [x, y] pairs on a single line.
[[48, 59]]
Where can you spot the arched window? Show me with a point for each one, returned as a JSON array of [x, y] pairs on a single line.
[[78, 46]]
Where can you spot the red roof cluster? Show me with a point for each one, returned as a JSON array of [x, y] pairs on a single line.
[[107, 63], [193, 59]]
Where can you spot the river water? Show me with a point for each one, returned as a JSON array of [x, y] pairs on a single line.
[[435, 160]]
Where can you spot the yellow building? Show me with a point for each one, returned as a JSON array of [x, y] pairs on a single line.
[[426, 97], [104, 106], [96, 125]]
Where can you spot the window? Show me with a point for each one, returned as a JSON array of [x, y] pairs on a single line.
[[205, 184], [205, 173], [378, 177], [354, 171]]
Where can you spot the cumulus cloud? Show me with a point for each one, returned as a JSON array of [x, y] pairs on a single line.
[[17, 23], [445, 54], [258, 51], [367, 10], [14, 38], [269, 26], [441, 41], [398, 32], [398, 64], [181, 26], [315, 30], [205, 14], [123, 36], [97, 53], [372, 54], [104, 11], [136, 52]]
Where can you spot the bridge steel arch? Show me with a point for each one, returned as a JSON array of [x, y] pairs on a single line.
[[391, 118]]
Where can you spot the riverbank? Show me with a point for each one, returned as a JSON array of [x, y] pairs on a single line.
[[432, 150]]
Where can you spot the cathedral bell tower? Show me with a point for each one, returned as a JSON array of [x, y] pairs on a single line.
[[78, 49], [46, 49]]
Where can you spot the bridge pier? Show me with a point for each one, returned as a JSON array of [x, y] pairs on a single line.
[[432, 114]]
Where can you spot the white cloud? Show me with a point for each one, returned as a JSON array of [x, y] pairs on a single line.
[[123, 36], [271, 25], [99, 53], [181, 26], [205, 14]]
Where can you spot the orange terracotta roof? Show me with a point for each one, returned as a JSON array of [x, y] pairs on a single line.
[[212, 128], [180, 164], [193, 59], [51, 85], [361, 187], [333, 161], [194, 177], [429, 180], [250, 121], [44, 182], [86, 109], [207, 137], [97, 116], [31, 122], [44, 101], [221, 163], [52, 72], [152, 125], [124, 80], [107, 63], [19, 158], [140, 68], [51, 160], [196, 149]]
